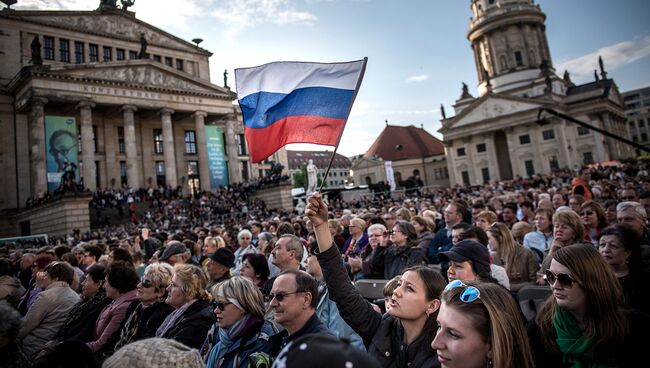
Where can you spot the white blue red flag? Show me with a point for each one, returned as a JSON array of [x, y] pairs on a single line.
[[296, 102]]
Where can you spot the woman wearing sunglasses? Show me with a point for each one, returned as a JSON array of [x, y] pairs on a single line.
[[567, 229], [584, 324], [480, 325], [400, 338], [242, 335], [146, 314]]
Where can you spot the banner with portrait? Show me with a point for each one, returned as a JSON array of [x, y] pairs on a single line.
[[61, 149], [216, 156]]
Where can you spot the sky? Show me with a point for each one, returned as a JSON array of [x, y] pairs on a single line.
[[418, 52]]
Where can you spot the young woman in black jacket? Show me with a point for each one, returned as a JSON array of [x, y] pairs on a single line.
[[400, 338]]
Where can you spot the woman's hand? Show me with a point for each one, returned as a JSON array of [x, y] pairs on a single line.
[[316, 210], [355, 264]]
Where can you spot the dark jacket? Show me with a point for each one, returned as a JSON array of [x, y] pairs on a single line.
[[312, 326], [424, 240], [82, 328], [382, 335], [150, 318], [628, 354], [441, 243], [192, 327], [394, 259]]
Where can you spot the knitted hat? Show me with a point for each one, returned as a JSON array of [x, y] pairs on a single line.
[[154, 352], [224, 256], [323, 351]]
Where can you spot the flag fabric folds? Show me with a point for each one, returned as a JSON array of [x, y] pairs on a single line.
[[296, 102]]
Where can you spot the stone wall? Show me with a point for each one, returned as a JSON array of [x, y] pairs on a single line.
[[56, 218], [276, 197]]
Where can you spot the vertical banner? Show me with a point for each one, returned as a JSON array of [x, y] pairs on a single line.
[[216, 156], [390, 175], [61, 149]]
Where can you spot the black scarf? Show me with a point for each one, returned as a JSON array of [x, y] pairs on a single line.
[[80, 309]]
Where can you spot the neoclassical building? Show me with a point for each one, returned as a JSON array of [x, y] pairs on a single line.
[[128, 103], [496, 136]]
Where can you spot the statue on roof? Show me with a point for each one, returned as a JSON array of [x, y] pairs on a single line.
[[143, 47], [465, 93], [603, 73], [225, 78], [567, 77], [107, 5], [36, 52], [126, 4], [442, 110]]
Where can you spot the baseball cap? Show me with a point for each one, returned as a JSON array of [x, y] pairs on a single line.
[[469, 250]]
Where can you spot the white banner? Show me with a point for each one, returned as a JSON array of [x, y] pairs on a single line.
[[390, 175]]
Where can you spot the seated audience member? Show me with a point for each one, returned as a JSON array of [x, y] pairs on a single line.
[[65, 354], [244, 238], [175, 253], [567, 229], [80, 322], [11, 354], [256, 269], [403, 336], [584, 323], [219, 265], [192, 316], [92, 254], [358, 239], [387, 291], [322, 351], [542, 237], [480, 326], [633, 214], [336, 229], [361, 266], [121, 280], [498, 273], [619, 247], [155, 352], [485, 219], [468, 260], [11, 289], [149, 310], [610, 211], [287, 255], [293, 299], [519, 230], [28, 299], [424, 228], [401, 254], [520, 262], [593, 217], [242, 335], [51, 307]]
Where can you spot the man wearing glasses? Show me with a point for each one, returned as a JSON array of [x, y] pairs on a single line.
[[389, 220], [442, 241], [293, 298]]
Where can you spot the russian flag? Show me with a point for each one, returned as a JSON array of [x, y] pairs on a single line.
[[296, 102]]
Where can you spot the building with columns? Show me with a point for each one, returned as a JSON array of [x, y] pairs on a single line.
[[141, 99], [496, 135]]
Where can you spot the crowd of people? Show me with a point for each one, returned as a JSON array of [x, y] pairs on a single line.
[[218, 280]]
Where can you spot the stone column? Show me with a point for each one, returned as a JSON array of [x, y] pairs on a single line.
[[202, 150], [168, 146], [38, 169], [536, 134], [564, 145], [469, 151], [234, 173], [451, 164], [493, 165], [87, 147], [132, 166]]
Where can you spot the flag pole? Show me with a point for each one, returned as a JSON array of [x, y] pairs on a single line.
[[356, 91]]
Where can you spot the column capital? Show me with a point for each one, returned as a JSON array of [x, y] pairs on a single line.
[[86, 104], [130, 108], [165, 111], [37, 100], [200, 113]]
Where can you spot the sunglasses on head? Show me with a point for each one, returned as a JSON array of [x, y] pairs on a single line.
[[468, 295], [146, 283], [564, 279], [220, 305]]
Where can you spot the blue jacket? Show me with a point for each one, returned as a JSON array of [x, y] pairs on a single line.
[[441, 243], [329, 314], [254, 340]]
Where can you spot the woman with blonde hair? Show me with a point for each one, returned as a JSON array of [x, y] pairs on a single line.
[[242, 334], [520, 262], [192, 317], [485, 219], [567, 229], [490, 323]]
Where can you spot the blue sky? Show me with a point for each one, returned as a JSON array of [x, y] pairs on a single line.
[[418, 52]]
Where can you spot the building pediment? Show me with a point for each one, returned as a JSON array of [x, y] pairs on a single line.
[[490, 106], [112, 24], [138, 73]]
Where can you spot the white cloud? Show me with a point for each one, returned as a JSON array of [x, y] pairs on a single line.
[[417, 78], [614, 56], [239, 15], [360, 108], [56, 5]]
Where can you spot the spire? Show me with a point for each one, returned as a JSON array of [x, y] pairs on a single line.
[[603, 73]]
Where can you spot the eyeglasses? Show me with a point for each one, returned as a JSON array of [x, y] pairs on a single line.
[[628, 198], [565, 280], [220, 305], [280, 296], [389, 232], [468, 295], [146, 283]]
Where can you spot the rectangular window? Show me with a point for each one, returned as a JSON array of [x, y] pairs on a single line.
[[644, 137], [123, 176], [583, 130], [48, 48], [530, 168], [64, 50], [93, 53], [158, 141], [108, 53], [486, 175], [460, 151], [133, 54], [241, 145], [518, 58], [157, 58], [524, 139], [79, 57], [587, 158], [98, 177], [179, 64], [95, 138], [548, 134], [641, 123], [244, 170], [553, 163], [481, 147], [120, 140], [169, 61], [120, 54], [465, 176], [190, 142], [160, 173]]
